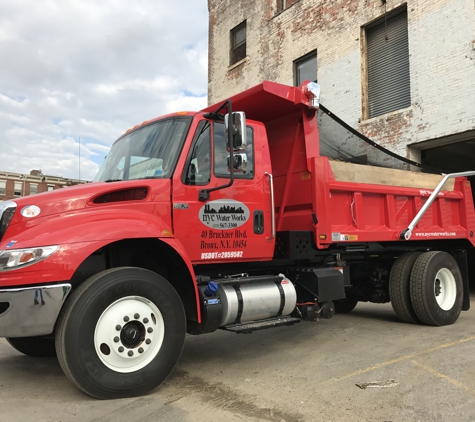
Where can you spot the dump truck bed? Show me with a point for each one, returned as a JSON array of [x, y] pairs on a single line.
[[368, 204], [344, 202]]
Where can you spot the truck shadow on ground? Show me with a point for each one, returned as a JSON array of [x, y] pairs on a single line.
[[375, 313]]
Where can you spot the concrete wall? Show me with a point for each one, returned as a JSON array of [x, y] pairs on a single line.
[[441, 50]]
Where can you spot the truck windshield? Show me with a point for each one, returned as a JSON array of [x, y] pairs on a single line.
[[149, 152]]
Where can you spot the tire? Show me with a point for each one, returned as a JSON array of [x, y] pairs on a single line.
[[400, 289], [121, 333], [345, 306], [436, 288], [36, 347]]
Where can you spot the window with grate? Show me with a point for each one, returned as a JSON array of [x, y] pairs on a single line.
[[387, 61], [305, 68], [238, 43]]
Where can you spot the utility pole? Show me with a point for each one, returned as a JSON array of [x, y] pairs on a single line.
[[79, 158]]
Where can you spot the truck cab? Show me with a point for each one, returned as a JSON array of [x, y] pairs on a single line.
[[187, 154]]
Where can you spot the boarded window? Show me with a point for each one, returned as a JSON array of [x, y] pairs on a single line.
[[238, 43], [305, 68], [387, 56]]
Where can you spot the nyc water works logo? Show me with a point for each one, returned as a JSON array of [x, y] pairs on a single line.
[[224, 214]]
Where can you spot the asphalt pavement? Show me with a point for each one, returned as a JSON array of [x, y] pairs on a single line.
[[363, 366]]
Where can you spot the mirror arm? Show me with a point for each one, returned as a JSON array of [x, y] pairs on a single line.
[[214, 115], [204, 193]]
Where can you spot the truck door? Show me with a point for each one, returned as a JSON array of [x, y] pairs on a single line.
[[235, 222]]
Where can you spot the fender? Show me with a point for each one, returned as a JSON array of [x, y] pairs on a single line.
[[79, 234], [175, 244]]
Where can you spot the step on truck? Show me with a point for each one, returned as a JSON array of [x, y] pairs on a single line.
[[228, 218]]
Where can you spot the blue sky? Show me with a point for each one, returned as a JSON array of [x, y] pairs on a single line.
[[90, 70]]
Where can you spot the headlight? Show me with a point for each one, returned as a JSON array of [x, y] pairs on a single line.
[[17, 258]]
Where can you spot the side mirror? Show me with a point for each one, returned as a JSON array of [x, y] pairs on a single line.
[[238, 122], [239, 162]]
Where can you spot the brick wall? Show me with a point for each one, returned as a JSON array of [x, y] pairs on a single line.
[[441, 50], [25, 182]]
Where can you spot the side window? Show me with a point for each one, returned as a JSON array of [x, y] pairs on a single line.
[[198, 169], [244, 158]]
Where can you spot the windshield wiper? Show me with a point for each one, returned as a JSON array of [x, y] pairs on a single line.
[[113, 180]]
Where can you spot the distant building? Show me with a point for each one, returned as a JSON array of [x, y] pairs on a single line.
[[15, 185], [400, 71]]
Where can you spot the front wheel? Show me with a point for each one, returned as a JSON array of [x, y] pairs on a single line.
[[121, 333], [436, 288]]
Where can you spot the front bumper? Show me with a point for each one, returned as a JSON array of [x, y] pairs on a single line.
[[31, 311]]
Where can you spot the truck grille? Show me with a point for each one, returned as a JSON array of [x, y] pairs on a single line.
[[6, 214]]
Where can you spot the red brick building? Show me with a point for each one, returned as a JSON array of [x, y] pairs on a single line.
[[15, 185]]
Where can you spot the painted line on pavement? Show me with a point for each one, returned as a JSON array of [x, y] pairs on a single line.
[[445, 377], [400, 359]]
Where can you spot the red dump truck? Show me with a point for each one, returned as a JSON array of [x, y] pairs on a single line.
[[228, 218]]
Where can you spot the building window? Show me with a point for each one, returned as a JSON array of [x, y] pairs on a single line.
[[3, 187], [305, 68], [33, 188], [238, 43], [50, 187], [284, 4], [387, 65], [17, 189]]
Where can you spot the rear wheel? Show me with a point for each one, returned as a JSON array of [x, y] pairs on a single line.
[[121, 333], [436, 288], [399, 287], [36, 347]]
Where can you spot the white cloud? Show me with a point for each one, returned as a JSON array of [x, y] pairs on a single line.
[[90, 70]]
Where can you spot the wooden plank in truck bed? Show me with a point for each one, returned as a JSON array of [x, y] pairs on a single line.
[[349, 172]]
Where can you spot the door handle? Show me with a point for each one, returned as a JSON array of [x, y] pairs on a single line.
[[258, 222], [272, 209]]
